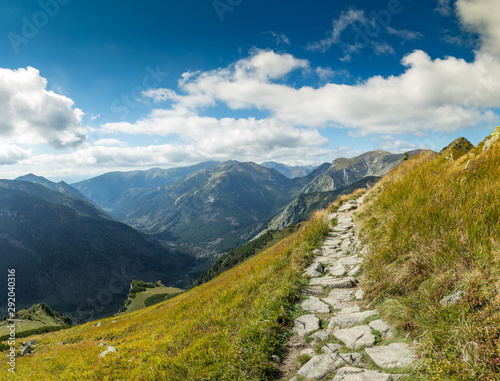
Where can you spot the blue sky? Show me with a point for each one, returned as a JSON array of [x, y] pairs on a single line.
[[87, 87]]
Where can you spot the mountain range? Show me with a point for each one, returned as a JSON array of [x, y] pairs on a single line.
[[72, 256], [78, 247], [212, 207]]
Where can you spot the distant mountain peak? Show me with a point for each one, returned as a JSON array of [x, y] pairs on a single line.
[[457, 148]]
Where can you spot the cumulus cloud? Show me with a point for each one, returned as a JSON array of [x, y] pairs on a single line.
[[169, 155], [444, 94], [394, 145], [12, 154], [227, 136], [110, 143], [481, 16], [32, 115]]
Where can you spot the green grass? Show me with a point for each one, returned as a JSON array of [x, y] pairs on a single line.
[[225, 329], [238, 255], [434, 229], [143, 294]]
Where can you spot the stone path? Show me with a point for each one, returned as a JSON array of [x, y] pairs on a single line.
[[339, 335]]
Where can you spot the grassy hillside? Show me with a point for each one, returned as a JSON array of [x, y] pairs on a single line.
[[65, 256], [37, 317], [236, 256], [144, 294], [434, 229], [226, 329]]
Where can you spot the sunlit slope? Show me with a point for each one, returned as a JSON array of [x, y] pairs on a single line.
[[434, 229], [226, 329]]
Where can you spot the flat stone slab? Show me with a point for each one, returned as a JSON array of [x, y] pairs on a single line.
[[349, 310], [346, 207], [346, 243], [338, 269], [360, 294], [357, 374], [326, 260], [355, 271], [334, 242], [314, 305], [319, 366], [381, 326], [305, 324], [351, 260], [343, 227], [341, 294], [356, 337], [335, 303], [333, 282], [321, 335], [314, 270], [331, 348], [395, 355], [350, 320]]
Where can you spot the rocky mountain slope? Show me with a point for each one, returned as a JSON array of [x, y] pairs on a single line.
[[72, 256], [112, 189], [305, 204], [291, 172], [212, 208], [344, 172]]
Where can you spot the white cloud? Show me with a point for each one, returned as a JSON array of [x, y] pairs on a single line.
[[347, 18], [454, 40], [404, 33], [327, 73], [12, 154], [396, 146], [110, 143], [481, 16], [280, 38], [444, 7], [444, 94], [382, 48], [228, 137], [33, 115]]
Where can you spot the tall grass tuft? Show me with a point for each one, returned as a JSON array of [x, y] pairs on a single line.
[[434, 230]]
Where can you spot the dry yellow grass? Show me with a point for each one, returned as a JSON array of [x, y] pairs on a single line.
[[434, 229], [226, 329]]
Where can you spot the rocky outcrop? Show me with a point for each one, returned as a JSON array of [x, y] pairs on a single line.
[[456, 148], [490, 140]]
